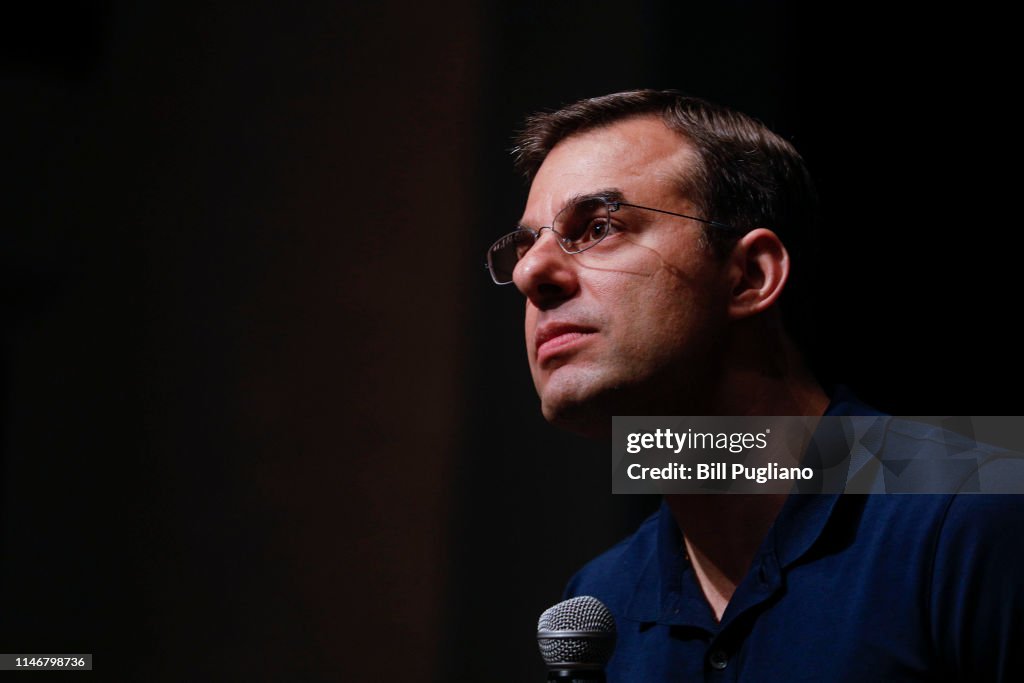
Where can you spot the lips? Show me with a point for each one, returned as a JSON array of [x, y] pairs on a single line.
[[555, 338]]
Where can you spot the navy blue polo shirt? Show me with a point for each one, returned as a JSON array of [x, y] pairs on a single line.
[[843, 588]]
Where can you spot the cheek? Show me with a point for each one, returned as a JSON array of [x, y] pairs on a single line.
[[628, 257], [607, 288], [530, 324], [660, 313]]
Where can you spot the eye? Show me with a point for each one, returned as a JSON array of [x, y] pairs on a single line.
[[596, 229], [584, 224]]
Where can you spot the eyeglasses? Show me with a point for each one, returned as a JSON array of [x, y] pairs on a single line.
[[580, 226]]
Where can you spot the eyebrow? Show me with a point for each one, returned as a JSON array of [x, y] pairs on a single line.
[[608, 194]]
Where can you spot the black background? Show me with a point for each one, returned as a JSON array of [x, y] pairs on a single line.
[[264, 415]]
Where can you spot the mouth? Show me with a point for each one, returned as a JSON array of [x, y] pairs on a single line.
[[553, 339]]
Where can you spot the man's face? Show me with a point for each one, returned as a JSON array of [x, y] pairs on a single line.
[[630, 326]]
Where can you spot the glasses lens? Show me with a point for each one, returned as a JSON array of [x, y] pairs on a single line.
[[504, 254], [577, 227], [583, 224]]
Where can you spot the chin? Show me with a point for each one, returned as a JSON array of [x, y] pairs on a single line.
[[584, 400], [585, 412]]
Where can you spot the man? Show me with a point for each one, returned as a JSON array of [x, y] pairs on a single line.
[[653, 253]]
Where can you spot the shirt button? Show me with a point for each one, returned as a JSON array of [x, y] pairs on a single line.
[[718, 660]]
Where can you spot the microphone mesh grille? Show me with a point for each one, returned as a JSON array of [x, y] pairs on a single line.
[[583, 613]]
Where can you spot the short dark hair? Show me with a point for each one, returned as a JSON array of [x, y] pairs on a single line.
[[747, 176]]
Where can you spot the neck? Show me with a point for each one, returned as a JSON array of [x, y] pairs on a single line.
[[723, 532], [763, 373]]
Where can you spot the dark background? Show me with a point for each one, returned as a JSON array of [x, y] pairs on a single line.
[[264, 417]]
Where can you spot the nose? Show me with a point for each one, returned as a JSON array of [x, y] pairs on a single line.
[[546, 275]]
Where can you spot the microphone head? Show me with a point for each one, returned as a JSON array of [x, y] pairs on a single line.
[[578, 633]]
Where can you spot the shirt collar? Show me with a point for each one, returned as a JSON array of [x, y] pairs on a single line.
[[660, 596]]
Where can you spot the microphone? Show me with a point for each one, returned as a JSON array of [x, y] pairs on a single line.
[[576, 639]]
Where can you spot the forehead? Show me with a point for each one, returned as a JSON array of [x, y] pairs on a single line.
[[640, 157]]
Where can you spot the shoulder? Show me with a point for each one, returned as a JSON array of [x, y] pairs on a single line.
[[981, 532], [977, 586], [923, 457], [913, 436]]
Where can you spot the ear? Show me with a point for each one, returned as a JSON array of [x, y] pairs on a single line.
[[758, 270]]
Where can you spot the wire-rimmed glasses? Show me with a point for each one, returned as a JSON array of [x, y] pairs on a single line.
[[580, 226]]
